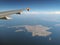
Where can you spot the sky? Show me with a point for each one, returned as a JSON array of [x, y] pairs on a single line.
[[35, 5]]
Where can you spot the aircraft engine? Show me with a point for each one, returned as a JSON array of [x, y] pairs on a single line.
[[18, 13]]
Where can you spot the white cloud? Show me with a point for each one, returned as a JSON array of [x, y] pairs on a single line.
[[46, 12]]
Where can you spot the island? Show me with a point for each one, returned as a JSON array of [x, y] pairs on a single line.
[[38, 30]]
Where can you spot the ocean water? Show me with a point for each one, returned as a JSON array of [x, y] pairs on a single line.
[[8, 36]]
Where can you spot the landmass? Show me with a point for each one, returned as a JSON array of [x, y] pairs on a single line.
[[18, 30], [38, 30]]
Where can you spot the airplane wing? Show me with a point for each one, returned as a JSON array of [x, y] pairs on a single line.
[[5, 14]]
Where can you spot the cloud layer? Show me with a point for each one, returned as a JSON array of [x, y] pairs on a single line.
[[46, 12]]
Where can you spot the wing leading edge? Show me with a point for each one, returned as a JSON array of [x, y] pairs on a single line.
[[7, 13]]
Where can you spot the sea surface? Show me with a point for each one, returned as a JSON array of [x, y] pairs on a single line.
[[8, 36]]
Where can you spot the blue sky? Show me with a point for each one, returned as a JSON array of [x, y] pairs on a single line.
[[35, 5]]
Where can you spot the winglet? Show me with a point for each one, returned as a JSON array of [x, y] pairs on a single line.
[[28, 9]]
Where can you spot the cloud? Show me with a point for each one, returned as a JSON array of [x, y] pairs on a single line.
[[46, 12], [50, 18]]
